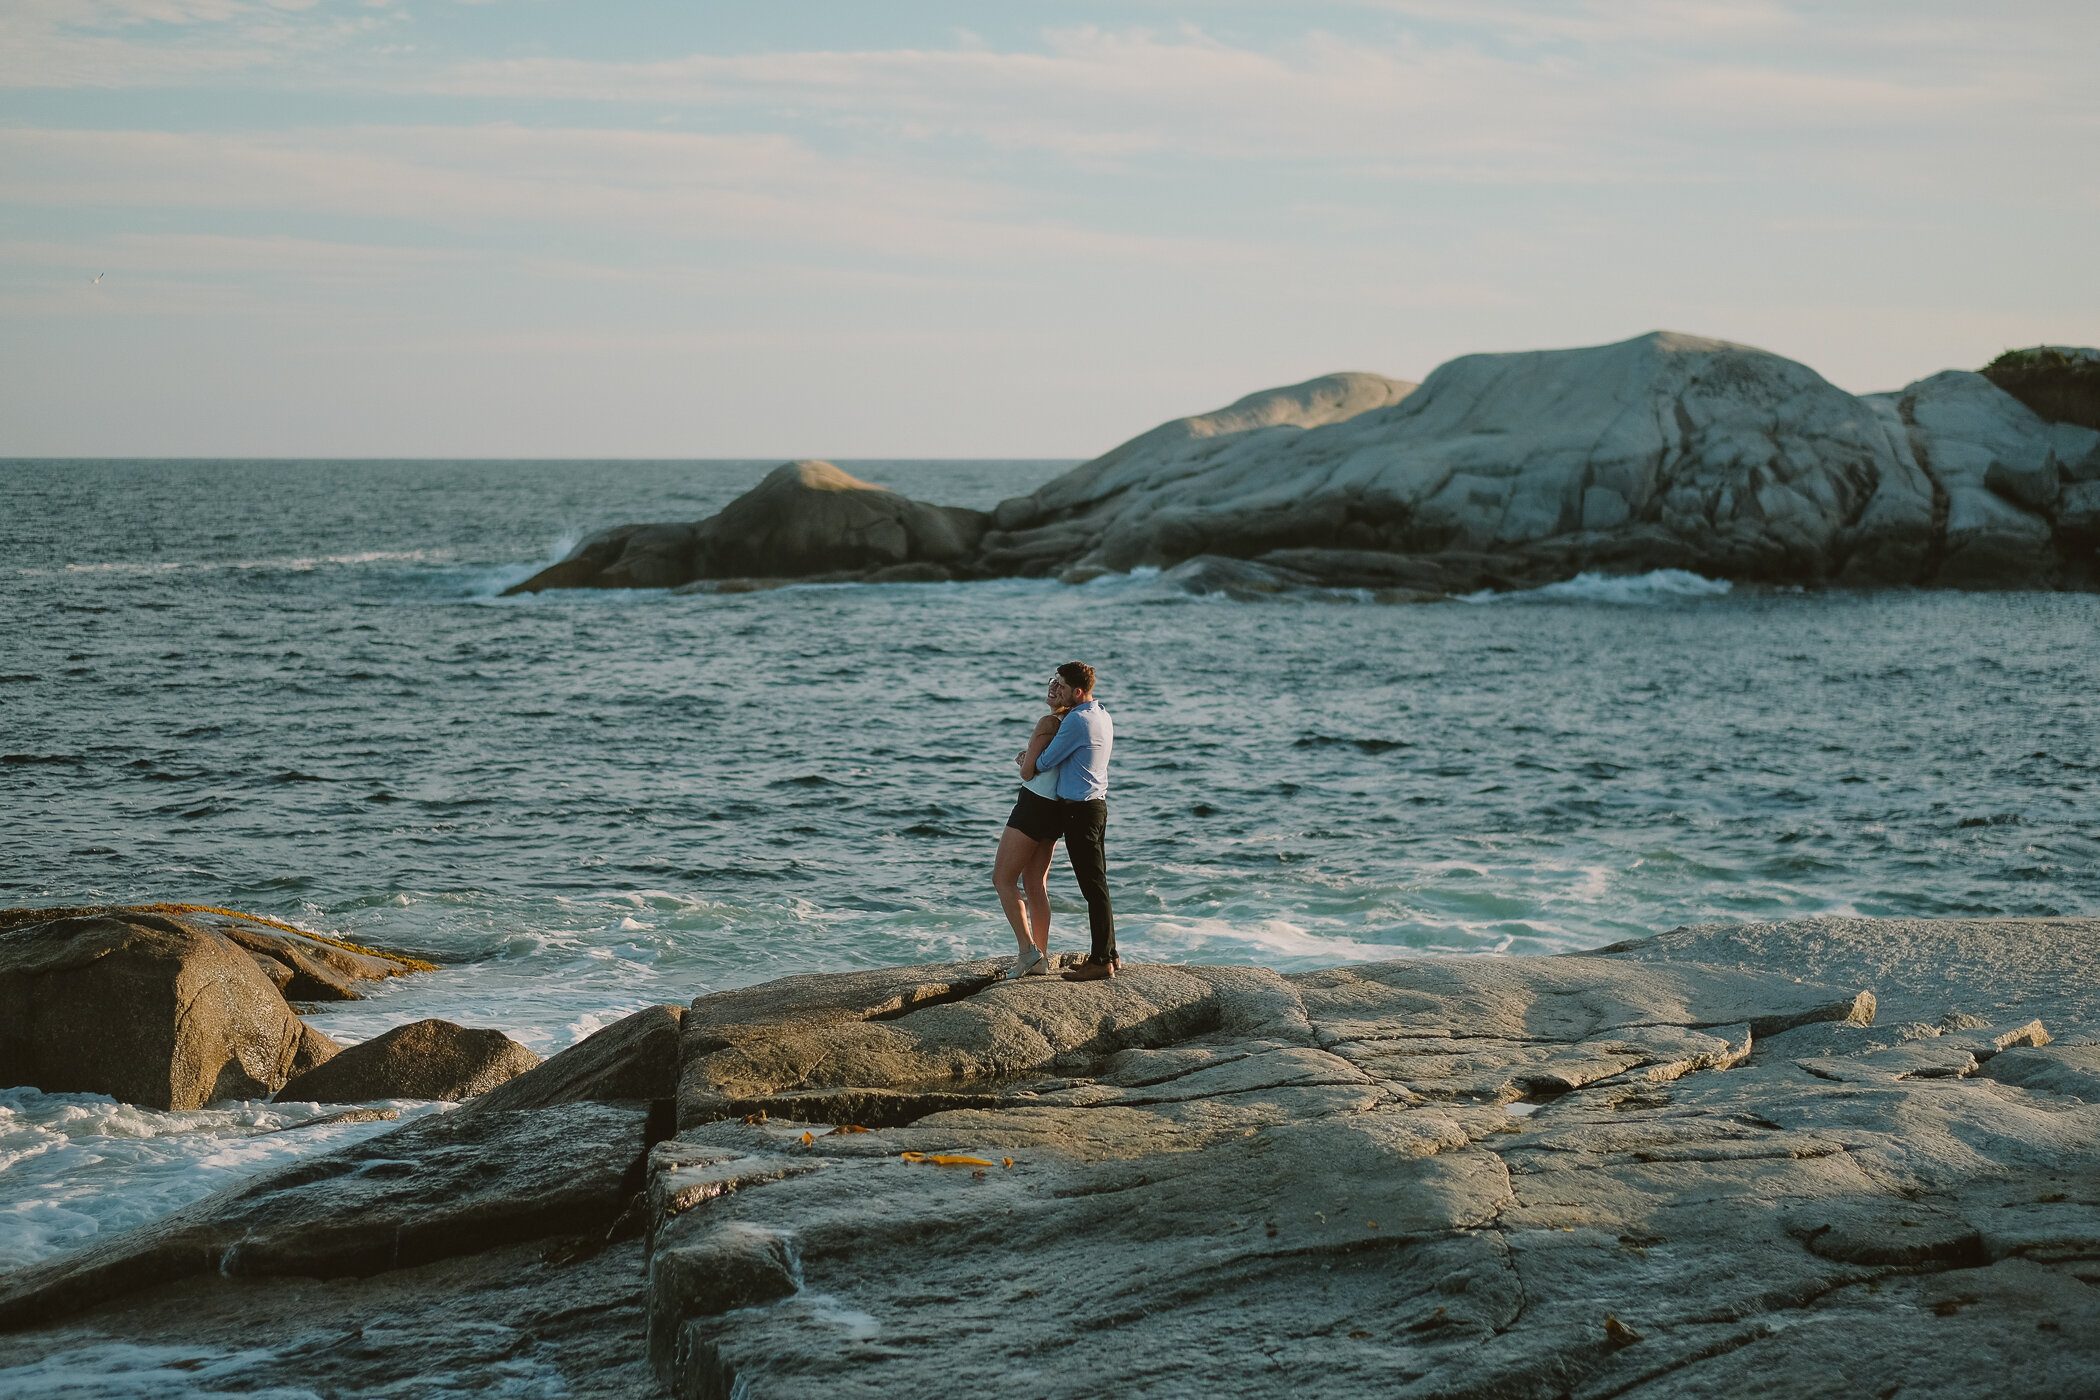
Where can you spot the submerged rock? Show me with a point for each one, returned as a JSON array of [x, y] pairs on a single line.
[[422, 1060], [806, 520], [149, 1008]]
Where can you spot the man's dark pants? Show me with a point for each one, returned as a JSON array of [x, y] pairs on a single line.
[[1086, 832]]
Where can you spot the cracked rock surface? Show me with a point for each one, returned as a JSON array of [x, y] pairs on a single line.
[[1701, 1164]]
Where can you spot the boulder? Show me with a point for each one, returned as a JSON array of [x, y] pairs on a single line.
[[805, 520], [422, 1060], [443, 1186], [148, 1008], [636, 1057]]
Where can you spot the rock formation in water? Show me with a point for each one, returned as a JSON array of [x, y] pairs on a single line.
[[806, 520], [1666, 451], [170, 1006], [1498, 471], [175, 1006], [1835, 1156]]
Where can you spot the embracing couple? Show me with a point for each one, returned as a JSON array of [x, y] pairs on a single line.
[[1064, 796]]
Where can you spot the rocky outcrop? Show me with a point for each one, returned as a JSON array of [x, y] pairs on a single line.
[[450, 1185], [1667, 451], [1836, 1156], [422, 1060], [1646, 1173], [147, 1008], [168, 1005], [806, 520]]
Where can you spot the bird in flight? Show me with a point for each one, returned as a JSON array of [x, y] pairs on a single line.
[[98, 279]]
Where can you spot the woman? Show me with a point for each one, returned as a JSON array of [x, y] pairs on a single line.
[[1021, 870]]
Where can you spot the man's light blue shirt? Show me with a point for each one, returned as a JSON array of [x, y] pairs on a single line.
[[1079, 753]]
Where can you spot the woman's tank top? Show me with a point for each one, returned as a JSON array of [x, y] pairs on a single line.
[[1044, 783]]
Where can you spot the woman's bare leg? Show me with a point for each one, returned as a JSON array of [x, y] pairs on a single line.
[[1019, 853], [1035, 881]]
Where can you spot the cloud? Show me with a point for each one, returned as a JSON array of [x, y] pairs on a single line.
[[1491, 92], [706, 189], [142, 43]]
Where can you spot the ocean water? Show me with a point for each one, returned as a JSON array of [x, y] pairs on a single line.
[[291, 688]]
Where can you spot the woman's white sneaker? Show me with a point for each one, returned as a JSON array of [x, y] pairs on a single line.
[[1031, 961]]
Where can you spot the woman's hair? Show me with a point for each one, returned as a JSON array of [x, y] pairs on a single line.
[[1078, 675]]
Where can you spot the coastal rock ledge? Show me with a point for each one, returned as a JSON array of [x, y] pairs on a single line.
[[1841, 1156], [1667, 451]]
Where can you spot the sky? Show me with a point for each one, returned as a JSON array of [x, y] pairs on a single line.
[[832, 228]]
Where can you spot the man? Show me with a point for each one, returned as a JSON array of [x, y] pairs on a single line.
[[1079, 753]]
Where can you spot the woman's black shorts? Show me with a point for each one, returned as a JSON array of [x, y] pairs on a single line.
[[1037, 817]]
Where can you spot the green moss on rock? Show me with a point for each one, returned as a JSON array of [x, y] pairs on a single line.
[[2061, 383]]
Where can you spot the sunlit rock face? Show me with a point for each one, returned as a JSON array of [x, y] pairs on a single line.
[[1666, 451], [805, 520]]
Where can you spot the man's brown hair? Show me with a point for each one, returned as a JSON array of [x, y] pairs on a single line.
[[1078, 675]]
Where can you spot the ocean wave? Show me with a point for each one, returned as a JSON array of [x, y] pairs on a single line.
[[83, 1165], [1655, 586], [294, 563]]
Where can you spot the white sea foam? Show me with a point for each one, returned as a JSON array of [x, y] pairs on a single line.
[[1655, 586], [127, 1371], [296, 563], [74, 1166], [1272, 941]]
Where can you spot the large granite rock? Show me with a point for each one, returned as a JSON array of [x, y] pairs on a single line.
[[805, 520], [150, 1008], [439, 1187], [429, 1059], [1669, 1170], [1667, 451]]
